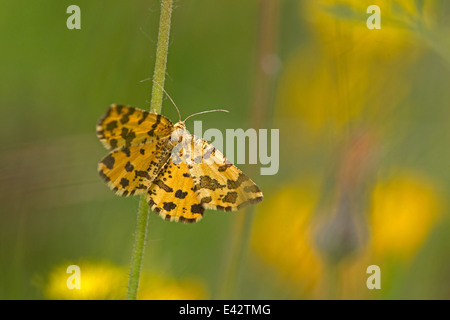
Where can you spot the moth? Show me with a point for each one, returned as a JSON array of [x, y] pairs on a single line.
[[180, 174]]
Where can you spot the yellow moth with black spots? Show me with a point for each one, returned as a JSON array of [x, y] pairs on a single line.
[[180, 174]]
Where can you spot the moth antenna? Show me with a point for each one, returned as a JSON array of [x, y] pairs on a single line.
[[179, 115], [207, 111]]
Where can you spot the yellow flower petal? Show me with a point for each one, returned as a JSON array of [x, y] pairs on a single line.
[[404, 210]]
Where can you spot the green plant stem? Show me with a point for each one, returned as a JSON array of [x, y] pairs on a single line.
[[162, 49], [140, 237], [140, 234]]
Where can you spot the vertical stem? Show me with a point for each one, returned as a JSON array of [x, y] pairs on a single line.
[[140, 237], [162, 49], [140, 233]]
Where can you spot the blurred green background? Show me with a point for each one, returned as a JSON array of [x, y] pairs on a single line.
[[364, 173]]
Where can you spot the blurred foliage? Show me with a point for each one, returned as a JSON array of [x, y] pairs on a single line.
[[364, 151]]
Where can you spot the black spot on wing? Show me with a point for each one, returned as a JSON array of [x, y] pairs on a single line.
[[110, 126], [142, 173], [126, 150], [124, 182], [104, 176], [168, 206], [209, 183], [206, 200], [108, 161], [224, 167], [126, 117], [119, 108], [144, 116], [197, 208], [227, 209], [234, 184], [113, 143], [151, 132], [129, 167], [186, 220], [101, 134], [180, 194], [153, 206], [128, 135], [230, 197], [163, 186]]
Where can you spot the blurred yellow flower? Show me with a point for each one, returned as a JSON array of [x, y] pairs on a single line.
[[282, 235], [326, 94], [101, 281], [403, 212], [98, 281], [348, 74], [154, 287], [400, 20]]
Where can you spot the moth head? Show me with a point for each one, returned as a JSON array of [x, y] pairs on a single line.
[[179, 125], [179, 131]]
